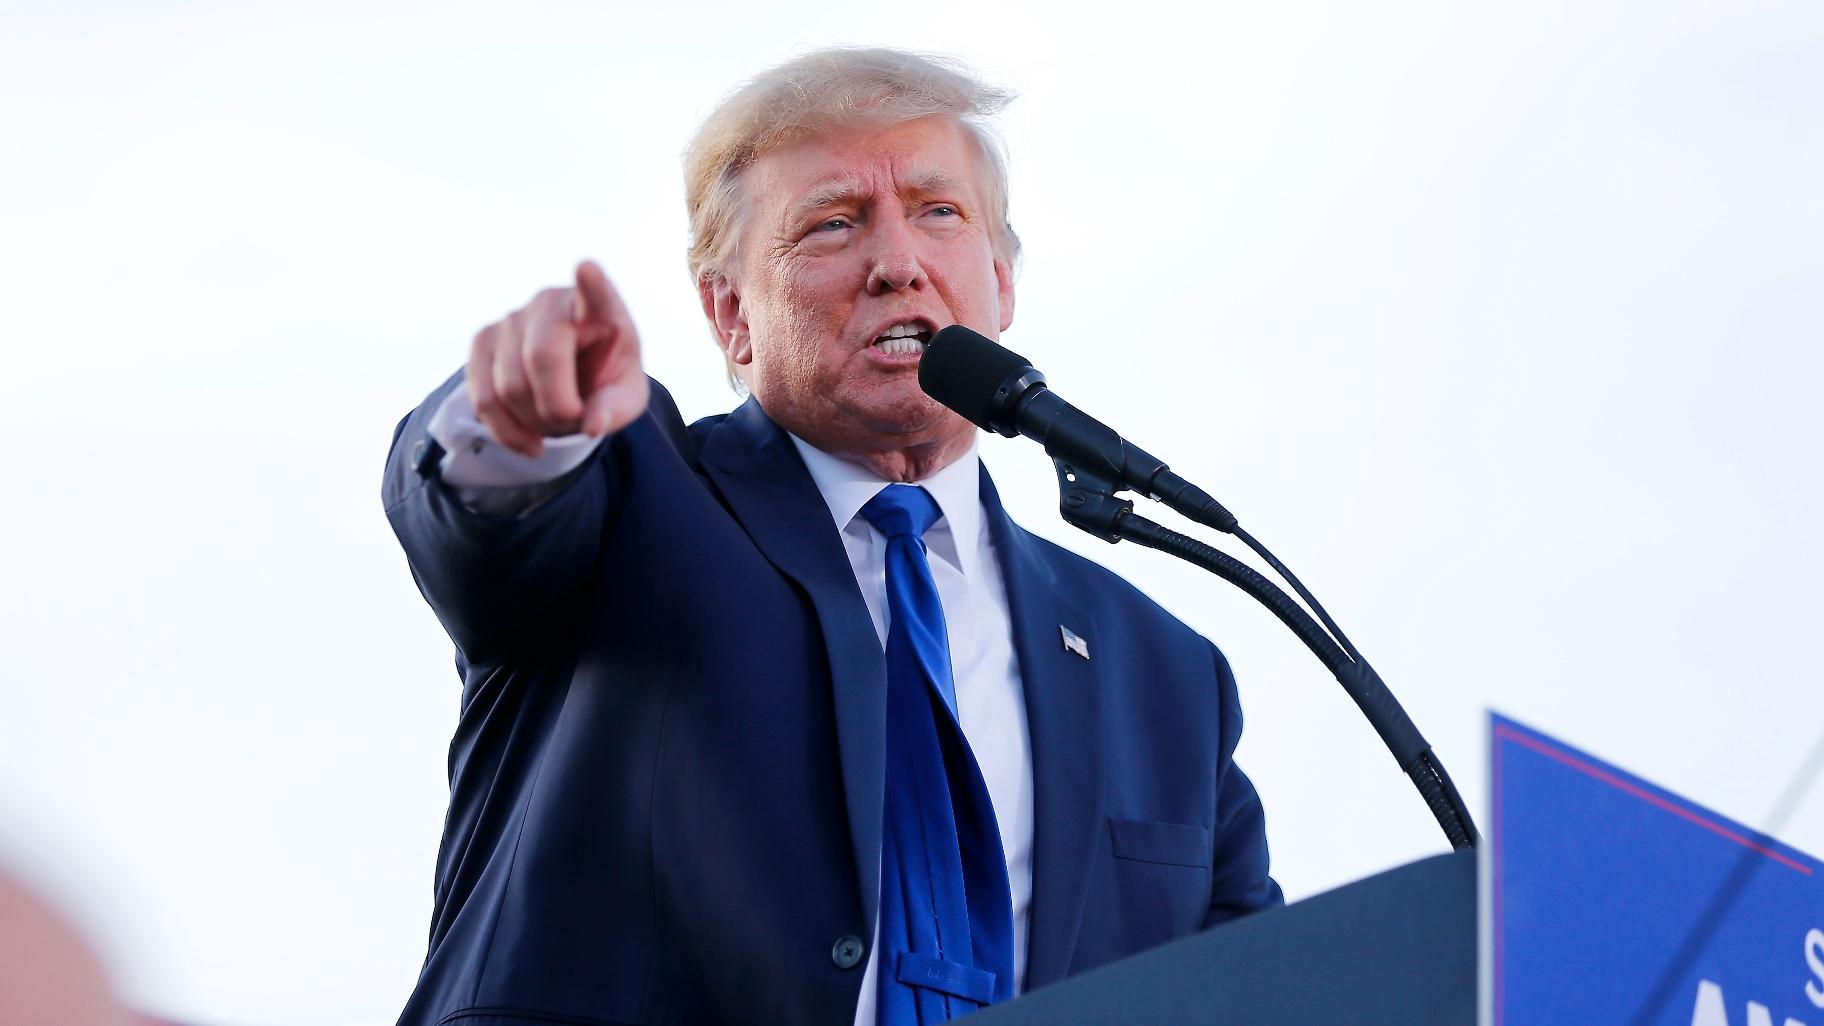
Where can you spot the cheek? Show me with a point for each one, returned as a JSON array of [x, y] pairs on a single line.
[[797, 324], [975, 291], [817, 312]]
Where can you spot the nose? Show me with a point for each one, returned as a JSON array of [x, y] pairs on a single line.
[[895, 266]]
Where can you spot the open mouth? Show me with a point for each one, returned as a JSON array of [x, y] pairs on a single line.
[[903, 340]]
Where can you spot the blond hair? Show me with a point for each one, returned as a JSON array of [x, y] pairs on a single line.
[[818, 93]]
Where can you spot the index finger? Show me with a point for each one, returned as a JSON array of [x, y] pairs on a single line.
[[595, 301]]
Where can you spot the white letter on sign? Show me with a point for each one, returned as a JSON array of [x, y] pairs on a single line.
[[1814, 957], [1759, 1015], [1709, 1010]]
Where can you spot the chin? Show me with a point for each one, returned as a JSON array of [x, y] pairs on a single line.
[[943, 432], [917, 414]]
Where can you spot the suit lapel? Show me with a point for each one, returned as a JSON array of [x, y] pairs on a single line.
[[753, 463], [757, 470], [1063, 714]]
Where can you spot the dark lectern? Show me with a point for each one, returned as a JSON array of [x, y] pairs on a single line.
[[1398, 949]]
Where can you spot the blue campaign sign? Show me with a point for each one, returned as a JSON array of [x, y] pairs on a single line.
[[1612, 901]]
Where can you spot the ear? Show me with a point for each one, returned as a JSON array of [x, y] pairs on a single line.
[[722, 306], [1003, 282]]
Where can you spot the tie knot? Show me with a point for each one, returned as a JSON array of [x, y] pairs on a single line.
[[902, 509]]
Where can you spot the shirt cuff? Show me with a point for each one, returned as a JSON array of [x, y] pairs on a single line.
[[490, 477]]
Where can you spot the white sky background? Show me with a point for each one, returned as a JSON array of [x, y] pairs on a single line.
[[1501, 326]]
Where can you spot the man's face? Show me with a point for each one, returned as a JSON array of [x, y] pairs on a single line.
[[846, 240]]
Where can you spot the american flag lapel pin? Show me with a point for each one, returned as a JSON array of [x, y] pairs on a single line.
[[1073, 642]]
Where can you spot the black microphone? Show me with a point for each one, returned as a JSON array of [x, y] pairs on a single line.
[[999, 390]]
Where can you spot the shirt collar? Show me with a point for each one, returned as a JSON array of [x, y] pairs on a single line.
[[957, 488]]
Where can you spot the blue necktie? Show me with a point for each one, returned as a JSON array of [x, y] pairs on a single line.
[[946, 914]]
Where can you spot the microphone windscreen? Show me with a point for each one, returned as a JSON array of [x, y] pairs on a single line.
[[964, 371]]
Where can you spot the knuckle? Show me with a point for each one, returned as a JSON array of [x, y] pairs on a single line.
[[507, 369], [483, 342], [545, 356], [550, 401], [548, 297]]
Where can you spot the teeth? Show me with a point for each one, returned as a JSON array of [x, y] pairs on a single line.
[[896, 346], [901, 340]]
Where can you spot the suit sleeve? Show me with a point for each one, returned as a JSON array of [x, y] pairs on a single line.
[[491, 577], [1239, 880]]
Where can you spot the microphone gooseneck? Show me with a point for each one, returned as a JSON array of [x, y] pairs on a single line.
[[999, 390]]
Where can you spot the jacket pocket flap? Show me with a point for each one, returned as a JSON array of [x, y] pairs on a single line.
[[1172, 844]]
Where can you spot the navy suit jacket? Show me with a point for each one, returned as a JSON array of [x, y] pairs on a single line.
[[666, 780]]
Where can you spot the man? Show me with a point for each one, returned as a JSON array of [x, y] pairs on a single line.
[[754, 730]]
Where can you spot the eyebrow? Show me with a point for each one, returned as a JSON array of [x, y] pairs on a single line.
[[917, 183]]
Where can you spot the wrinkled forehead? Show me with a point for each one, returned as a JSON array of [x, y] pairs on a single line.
[[928, 157]]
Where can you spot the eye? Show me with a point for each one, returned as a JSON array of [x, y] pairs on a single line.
[[834, 224], [944, 210]]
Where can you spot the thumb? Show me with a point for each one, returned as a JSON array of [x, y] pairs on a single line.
[[615, 381], [598, 414], [616, 404]]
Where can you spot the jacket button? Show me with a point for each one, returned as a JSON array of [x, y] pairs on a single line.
[[847, 952]]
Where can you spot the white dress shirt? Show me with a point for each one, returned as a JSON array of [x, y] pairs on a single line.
[[989, 701]]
